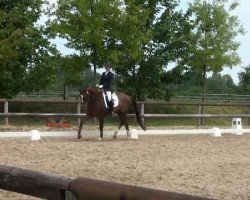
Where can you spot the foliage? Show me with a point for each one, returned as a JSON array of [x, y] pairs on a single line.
[[71, 75], [244, 78], [150, 41], [138, 37], [142, 37], [213, 45], [218, 84], [25, 53], [90, 27]]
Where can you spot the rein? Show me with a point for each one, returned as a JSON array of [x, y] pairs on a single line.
[[90, 96]]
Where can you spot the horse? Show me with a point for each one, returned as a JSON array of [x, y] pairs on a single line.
[[93, 101]]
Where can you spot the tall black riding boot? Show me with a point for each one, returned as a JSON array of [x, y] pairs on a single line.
[[110, 105]]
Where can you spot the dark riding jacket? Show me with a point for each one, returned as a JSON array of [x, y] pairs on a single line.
[[106, 79]]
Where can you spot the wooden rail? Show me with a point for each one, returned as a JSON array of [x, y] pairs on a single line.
[[6, 114], [215, 97], [55, 187], [33, 183]]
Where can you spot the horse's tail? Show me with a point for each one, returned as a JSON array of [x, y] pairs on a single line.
[[138, 117]]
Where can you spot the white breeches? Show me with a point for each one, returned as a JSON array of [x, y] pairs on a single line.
[[108, 93]]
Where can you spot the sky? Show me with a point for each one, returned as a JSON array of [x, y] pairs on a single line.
[[243, 13]]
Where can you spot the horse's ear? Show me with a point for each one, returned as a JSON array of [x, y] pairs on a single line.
[[87, 90]]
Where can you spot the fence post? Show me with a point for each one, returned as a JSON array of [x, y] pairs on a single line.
[[6, 111], [248, 115], [142, 112], [78, 111], [199, 112]]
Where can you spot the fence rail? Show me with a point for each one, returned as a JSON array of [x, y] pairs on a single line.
[[49, 95], [215, 97], [190, 96], [6, 114], [55, 187]]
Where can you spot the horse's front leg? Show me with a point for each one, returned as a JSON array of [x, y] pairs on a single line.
[[83, 119], [101, 122]]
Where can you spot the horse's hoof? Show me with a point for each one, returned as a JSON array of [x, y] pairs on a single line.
[[114, 137], [79, 136], [99, 139]]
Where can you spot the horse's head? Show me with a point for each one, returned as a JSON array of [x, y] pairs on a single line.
[[88, 95], [84, 97]]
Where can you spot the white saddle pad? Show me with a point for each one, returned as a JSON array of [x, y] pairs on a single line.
[[113, 97]]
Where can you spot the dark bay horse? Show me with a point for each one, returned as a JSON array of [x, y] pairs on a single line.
[[92, 99]]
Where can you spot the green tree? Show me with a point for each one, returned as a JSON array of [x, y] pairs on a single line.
[[213, 44], [150, 43], [126, 33], [25, 53], [90, 27], [70, 72], [218, 84], [133, 37], [244, 80]]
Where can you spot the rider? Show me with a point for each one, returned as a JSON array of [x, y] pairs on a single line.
[[105, 83]]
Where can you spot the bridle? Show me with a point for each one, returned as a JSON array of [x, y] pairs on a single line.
[[84, 97]]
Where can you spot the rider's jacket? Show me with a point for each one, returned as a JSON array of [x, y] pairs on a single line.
[[106, 80]]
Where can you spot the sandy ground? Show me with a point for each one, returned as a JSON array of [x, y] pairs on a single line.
[[199, 165]]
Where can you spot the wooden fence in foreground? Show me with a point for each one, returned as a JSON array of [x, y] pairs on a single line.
[[199, 115], [55, 187]]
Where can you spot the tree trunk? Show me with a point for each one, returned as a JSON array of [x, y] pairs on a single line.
[[94, 81], [134, 78], [204, 84], [65, 91], [203, 91]]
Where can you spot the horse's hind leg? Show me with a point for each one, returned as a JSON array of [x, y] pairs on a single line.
[[123, 121], [126, 126], [101, 122], [116, 132]]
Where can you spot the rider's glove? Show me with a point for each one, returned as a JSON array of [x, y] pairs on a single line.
[[100, 86]]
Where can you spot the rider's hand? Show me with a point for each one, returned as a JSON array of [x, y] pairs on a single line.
[[100, 86]]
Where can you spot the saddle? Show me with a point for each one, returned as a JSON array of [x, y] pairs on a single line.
[[114, 100]]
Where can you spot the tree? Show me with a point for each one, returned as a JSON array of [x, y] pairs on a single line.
[[244, 80], [138, 37], [70, 72], [90, 27], [133, 37], [218, 84], [25, 53], [156, 41], [213, 45]]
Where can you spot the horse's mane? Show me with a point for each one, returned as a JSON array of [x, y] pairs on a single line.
[[91, 89], [94, 93]]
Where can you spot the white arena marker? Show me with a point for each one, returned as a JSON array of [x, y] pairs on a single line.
[[237, 126], [216, 132], [134, 134], [35, 135]]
